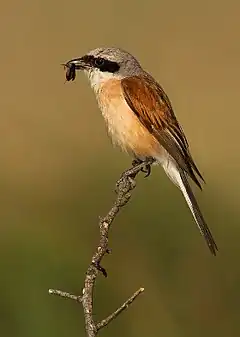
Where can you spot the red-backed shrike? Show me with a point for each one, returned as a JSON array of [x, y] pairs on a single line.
[[140, 119]]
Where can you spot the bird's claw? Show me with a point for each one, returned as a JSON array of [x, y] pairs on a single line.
[[146, 169]]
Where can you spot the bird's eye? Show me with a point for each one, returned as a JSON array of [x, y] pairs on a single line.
[[105, 65], [99, 62]]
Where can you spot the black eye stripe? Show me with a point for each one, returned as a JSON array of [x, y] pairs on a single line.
[[101, 63], [106, 65]]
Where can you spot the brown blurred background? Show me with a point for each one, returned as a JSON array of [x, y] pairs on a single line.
[[58, 170]]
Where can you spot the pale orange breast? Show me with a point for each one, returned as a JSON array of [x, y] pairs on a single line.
[[123, 125]]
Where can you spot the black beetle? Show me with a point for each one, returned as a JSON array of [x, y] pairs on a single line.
[[70, 71]]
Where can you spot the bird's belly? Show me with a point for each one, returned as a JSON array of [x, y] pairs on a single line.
[[127, 131], [123, 125]]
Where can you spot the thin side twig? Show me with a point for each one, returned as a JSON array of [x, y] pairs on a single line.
[[125, 305], [65, 294], [124, 186]]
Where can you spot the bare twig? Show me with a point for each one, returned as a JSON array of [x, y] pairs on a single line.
[[65, 294], [124, 186], [125, 305]]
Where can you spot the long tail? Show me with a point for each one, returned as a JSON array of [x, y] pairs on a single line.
[[179, 178]]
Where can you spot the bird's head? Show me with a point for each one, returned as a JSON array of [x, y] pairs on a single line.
[[102, 64]]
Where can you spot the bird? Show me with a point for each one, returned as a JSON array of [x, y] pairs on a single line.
[[141, 121]]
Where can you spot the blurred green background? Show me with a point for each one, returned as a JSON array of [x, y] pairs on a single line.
[[58, 170]]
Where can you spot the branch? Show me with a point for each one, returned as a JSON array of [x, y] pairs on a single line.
[[125, 305], [124, 186]]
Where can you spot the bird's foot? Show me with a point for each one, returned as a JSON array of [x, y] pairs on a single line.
[[126, 181], [146, 169]]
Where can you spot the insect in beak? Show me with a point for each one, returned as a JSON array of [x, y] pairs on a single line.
[[71, 67], [70, 71]]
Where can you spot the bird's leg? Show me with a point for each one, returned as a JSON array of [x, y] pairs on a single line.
[[146, 169], [129, 175]]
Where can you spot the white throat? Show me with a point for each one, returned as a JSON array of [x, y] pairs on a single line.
[[97, 78]]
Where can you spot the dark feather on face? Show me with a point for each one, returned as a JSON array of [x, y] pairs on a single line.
[[101, 63]]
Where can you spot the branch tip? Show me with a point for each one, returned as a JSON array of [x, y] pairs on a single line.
[[64, 294]]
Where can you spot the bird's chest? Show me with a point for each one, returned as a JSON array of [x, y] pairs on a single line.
[[123, 125], [121, 122]]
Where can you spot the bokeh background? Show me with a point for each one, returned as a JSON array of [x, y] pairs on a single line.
[[58, 170]]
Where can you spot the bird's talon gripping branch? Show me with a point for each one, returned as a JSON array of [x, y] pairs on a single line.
[[136, 162], [147, 170]]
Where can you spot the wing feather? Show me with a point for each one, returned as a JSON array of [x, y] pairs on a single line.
[[153, 108]]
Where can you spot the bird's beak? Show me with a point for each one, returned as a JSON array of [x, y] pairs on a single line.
[[78, 64], [73, 65]]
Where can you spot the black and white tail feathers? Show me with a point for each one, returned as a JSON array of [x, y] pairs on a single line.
[[179, 178]]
